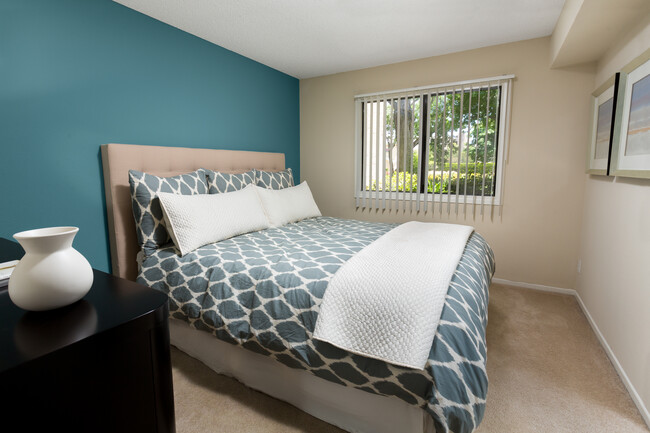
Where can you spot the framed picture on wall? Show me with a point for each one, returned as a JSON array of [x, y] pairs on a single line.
[[602, 126], [631, 152]]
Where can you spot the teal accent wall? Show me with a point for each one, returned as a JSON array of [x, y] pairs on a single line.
[[75, 74]]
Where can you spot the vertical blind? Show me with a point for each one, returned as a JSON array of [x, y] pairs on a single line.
[[433, 149]]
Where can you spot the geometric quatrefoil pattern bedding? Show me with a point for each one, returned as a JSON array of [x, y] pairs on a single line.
[[228, 182], [149, 221], [263, 290], [274, 179]]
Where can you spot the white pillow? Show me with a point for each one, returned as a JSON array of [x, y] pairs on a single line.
[[197, 220], [288, 205]]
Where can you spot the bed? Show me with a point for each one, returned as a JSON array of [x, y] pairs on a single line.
[[224, 311]]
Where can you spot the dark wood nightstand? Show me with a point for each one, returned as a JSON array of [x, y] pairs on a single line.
[[101, 364]]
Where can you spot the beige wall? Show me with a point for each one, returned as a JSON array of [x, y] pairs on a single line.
[[536, 237], [586, 28], [615, 280], [563, 26]]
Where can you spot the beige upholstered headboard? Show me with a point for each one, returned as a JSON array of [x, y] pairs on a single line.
[[118, 159]]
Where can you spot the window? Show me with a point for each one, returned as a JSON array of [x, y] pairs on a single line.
[[430, 148]]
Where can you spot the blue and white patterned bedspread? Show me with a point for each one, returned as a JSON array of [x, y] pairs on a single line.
[[262, 291]]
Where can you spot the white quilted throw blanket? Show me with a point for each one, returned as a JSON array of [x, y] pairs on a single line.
[[385, 302]]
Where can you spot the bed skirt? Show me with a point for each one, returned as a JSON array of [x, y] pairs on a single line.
[[348, 408]]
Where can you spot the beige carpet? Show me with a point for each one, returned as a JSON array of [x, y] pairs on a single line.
[[547, 372]]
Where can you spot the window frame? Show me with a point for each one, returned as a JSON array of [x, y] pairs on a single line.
[[502, 132]]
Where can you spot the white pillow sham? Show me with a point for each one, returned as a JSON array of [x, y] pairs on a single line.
[[288, 205], [197, 220]]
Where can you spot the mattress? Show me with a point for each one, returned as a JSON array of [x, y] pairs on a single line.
[[262, 291]]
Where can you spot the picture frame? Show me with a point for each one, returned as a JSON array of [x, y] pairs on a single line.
[[603, 119], [631, 151]]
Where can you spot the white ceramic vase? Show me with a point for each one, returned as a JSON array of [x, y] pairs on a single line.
[[51, 274]]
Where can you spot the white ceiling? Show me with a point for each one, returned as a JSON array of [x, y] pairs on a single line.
[[310, 38]]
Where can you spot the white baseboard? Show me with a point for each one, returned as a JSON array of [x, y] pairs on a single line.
[[535, 286], [617, 365], [645, 414]]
